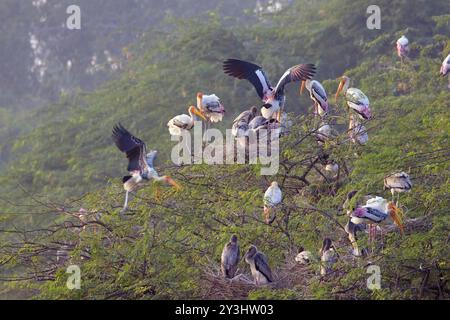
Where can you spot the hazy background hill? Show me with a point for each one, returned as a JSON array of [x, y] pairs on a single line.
[[55, 129]]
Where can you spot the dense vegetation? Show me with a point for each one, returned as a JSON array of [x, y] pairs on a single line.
[[60, 157]]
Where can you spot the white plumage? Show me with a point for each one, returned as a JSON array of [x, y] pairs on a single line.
[[272, 198], [357, 132], [184, 122], [445, 67]]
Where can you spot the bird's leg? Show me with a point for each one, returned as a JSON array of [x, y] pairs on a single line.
[[393, 194], [125, 205]]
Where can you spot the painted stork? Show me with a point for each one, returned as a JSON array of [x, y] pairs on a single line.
[[445, 68], [273, 98], [241, 123], [376, 211], [402, 47], [140, 164], [230, 258], [324, 133], [318, 96], [328, 257], [261, 272], [352, 230], [357, 132], [211, 107], [272, 198], [184, 122], [303, 256], [356, 99], [398, 182]]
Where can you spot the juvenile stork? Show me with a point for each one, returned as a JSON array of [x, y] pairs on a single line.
[[303, 256], [357, 132], [397, 182], [184, 122], [402, 48], [140, 164], [230, 258], [272, 198], [356, 99], [445, 69], [273, 98], [328, 257], [318, 96], [241, 123], [261, 272]]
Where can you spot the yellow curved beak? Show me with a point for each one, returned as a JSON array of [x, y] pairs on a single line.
[[199, 113], [340, 88], [174, 184], [302, 87], [397, 217]]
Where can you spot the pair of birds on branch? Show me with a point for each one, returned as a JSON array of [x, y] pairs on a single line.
[[328, 257], [259, 266]]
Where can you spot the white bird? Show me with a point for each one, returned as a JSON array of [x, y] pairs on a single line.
[[445, 68], [402, 47], [357, 132], [328, 257], [272, 198], [273, 98], [261, 272], [398, 182], [184, 122], [376, 211], [140, 164], [324, 133], [303, 256], [318, 95], [211, 107], [230, 258], [356, 99]]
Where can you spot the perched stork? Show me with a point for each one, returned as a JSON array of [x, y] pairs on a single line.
[[357, 132], [241, 123], [324, 133], [140, 164], [230, 258], [356, 99], [318, 96], [352, 230], [402, 47], [328, 257], [184, 122], [445, 68], [211, 107], [303, 256], [272, 198], [261, 272], [398, 182], [376, 211], [273, 98]]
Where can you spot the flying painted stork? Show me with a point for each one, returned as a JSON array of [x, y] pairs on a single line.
[[303, 256], [211, 107], [328, 257], [445, 68], [230, 258], [318, 96], [357, 132], [184, 122], [273, 98], [241, 123], [376, 211], [402, 47], [272, 198], [261, 272], [398, 182], [140, 164], [356, 99]]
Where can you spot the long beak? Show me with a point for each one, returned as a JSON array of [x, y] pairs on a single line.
[[340, 88], [397, 217], [302, 87], [174, 184], [199, 113], [199, 100]]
